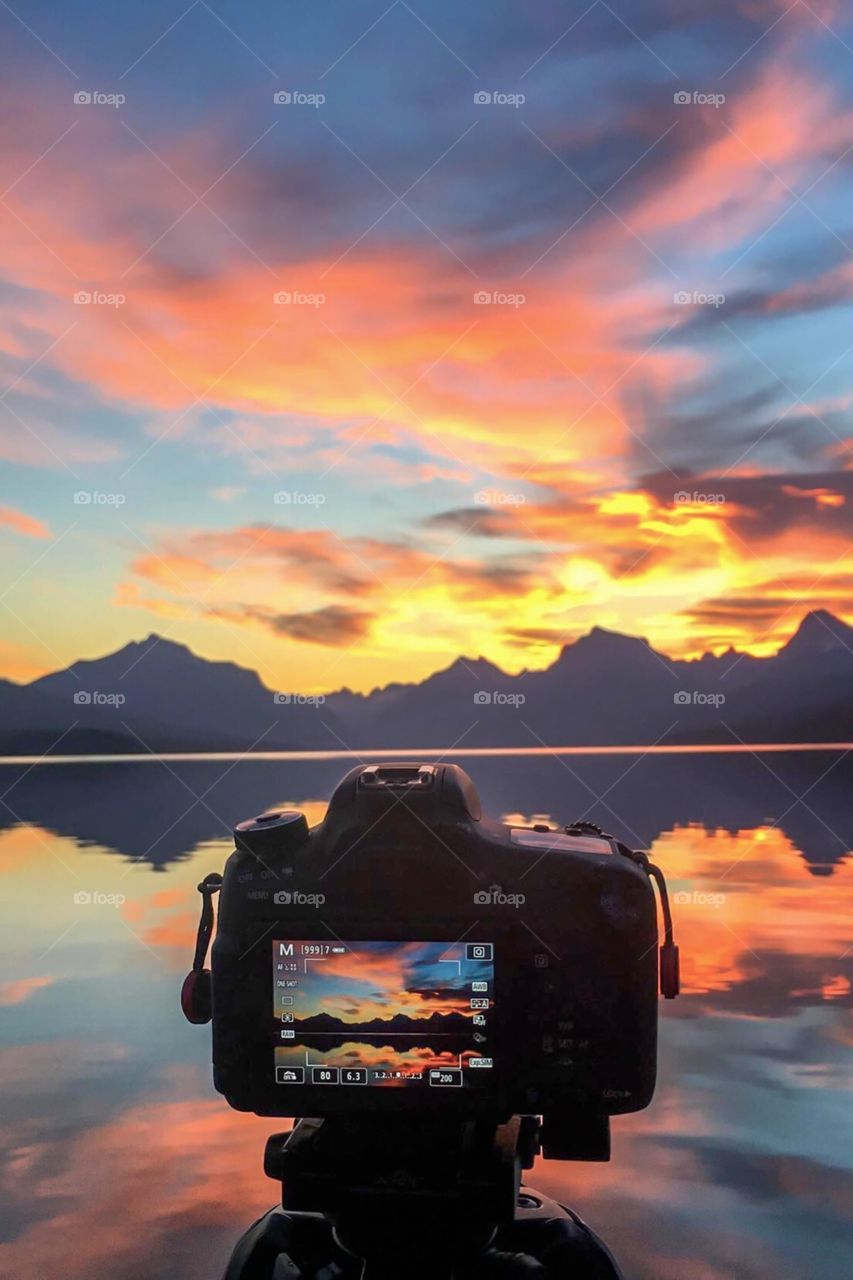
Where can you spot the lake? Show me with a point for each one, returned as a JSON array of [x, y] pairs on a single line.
[[121, 1161]]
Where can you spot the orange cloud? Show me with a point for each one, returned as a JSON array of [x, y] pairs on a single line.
[[19, 990], [20, 522], [497, 384]]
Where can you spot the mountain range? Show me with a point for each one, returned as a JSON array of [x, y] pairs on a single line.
[[603, 689], [399, 1022]]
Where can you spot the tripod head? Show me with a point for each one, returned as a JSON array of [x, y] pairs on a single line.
[[426, 1200], [403, 1189]]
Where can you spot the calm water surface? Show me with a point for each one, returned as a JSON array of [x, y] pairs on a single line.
[[122, 1162]]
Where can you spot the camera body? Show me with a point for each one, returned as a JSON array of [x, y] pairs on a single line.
[[409, 954]]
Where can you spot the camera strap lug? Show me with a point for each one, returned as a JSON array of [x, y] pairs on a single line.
[[196, 993], [670, 968]]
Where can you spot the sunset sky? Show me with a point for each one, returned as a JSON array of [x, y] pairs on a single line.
[[382, 979], [303, 439]]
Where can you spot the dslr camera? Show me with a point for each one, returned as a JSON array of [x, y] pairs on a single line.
[[410, 955]]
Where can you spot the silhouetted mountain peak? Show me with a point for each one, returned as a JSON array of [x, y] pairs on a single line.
[[166, 649], [820, 632], [601, 645], [463, 670], [149, 662], [605, 687], [158, 691]]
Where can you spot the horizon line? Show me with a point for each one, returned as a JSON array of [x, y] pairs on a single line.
[[654, 749]]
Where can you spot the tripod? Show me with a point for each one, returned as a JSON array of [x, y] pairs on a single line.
[[410, 1199]]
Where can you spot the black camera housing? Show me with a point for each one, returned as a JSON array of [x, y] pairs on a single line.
[[404, 859]]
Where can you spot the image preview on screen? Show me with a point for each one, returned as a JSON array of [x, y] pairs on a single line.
[[392, 1014]]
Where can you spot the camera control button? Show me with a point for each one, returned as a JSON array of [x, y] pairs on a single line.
[[290, 1075], [445, 1079], [278, 832], [325, 1075], [354, 1075]]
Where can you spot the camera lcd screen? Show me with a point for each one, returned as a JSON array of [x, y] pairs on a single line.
[[388, 1014]]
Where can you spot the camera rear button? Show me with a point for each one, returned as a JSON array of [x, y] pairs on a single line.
[[290, 1075]]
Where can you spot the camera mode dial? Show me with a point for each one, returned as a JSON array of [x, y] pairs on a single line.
[[280, 831]]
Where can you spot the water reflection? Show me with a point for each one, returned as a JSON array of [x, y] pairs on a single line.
[[162, 812], [120, 1161]]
